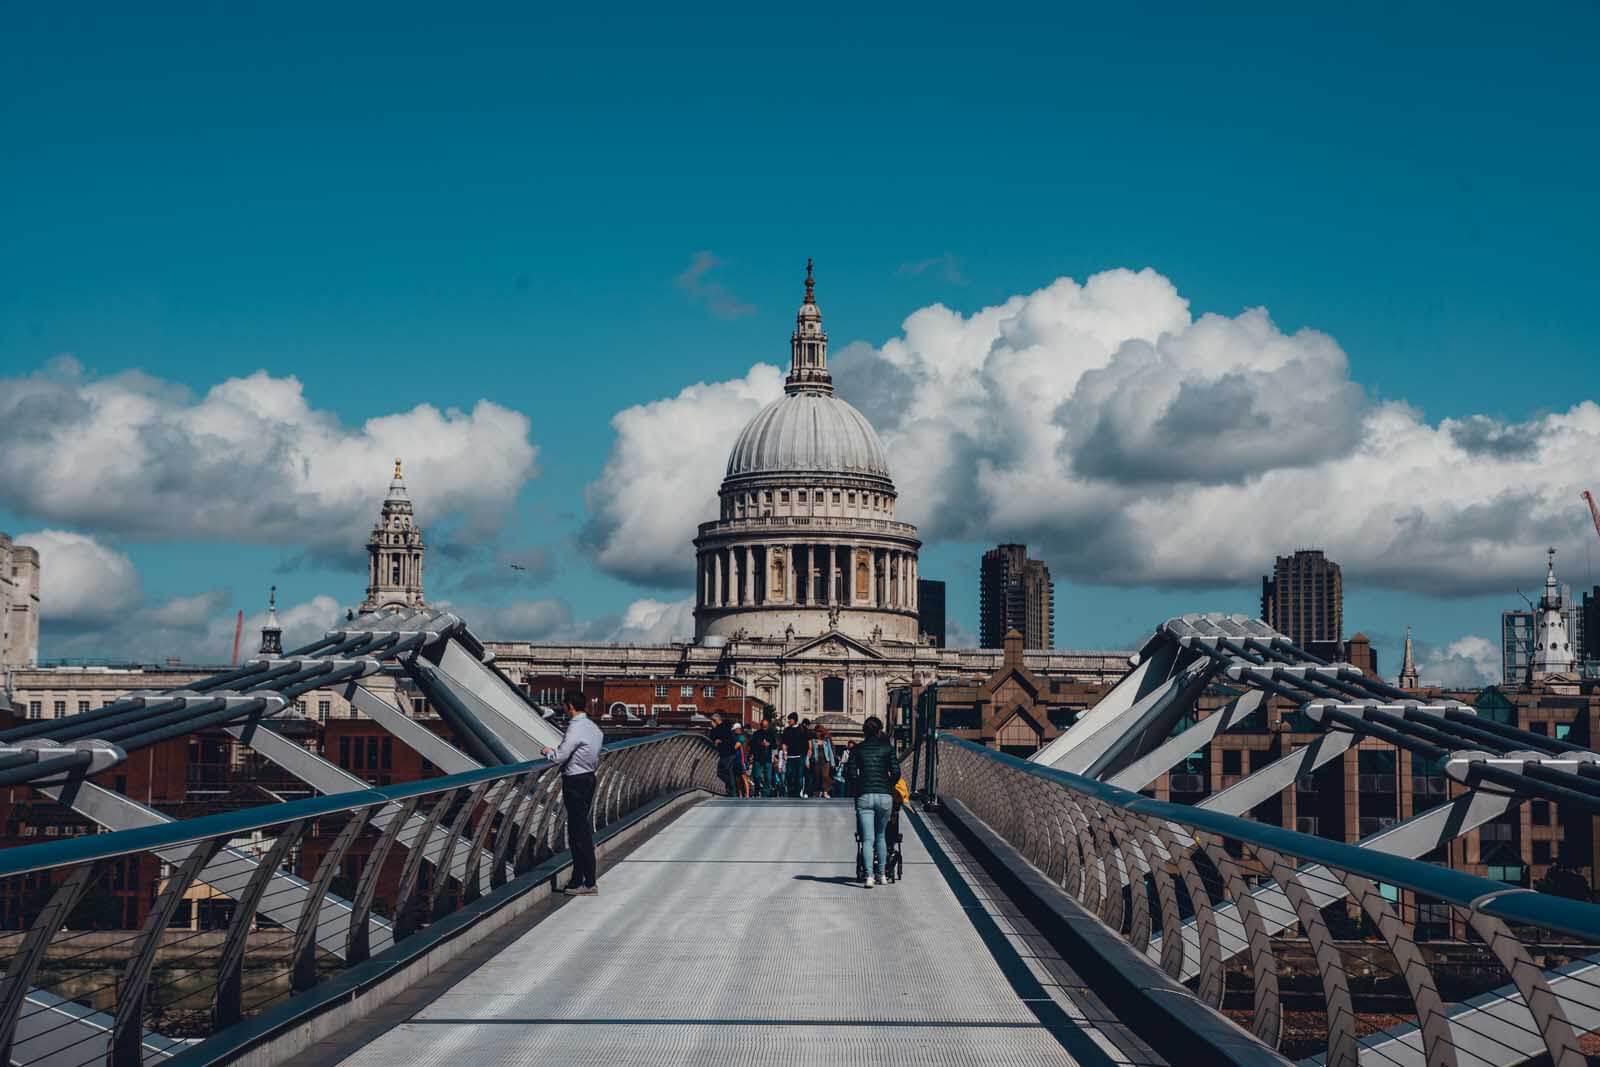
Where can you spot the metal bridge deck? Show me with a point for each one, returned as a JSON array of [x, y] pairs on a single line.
[[736, 936]]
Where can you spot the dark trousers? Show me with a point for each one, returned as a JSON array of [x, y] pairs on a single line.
[[577, 793]]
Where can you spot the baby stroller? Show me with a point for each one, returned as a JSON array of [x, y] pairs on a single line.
[[893, 863]]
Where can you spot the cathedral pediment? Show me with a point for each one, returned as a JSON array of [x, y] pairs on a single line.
[[833, 646]]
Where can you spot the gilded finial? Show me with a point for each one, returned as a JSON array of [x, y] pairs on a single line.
[[810, 283], [397, 468], [272, 598]]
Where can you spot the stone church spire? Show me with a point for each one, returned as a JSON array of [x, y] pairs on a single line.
[[808, 347], [1552, 648], [1408, 667], [394, 551], [271, 630]]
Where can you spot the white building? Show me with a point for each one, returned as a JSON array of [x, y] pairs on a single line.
[[807, 542]]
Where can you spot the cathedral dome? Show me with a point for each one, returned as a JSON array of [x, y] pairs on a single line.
[[812, 433]]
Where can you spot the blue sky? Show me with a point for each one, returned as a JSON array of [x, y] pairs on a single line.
[[397, 210]]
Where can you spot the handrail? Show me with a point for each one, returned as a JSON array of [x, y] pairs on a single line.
[[1469, 891], [25, 859]]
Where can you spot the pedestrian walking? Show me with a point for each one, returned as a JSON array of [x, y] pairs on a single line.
[[822, 761], [874, 770], [579, 757], [761, 745], [795, 744], [727, 753]]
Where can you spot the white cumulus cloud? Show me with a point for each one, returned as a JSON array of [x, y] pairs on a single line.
[[1466, 663], [81, 581], [249, 460], [1132, 442], [661, 478]]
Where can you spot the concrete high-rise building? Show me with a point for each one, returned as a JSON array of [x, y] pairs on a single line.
[[394, 576], [1588, 636], [930, 610], [19, 604], [1303, 599], [1015, 592]]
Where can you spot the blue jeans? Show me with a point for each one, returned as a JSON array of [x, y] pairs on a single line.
[[761, 773], [795, 775], [872, 815]]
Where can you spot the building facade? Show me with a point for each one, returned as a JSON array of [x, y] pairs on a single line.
[[807, 542], [19, 604], [1015, 593], [931, 620], [1303, 599], [1014, 709], [394, 554]]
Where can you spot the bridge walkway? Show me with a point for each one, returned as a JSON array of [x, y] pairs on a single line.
[[737, 935]]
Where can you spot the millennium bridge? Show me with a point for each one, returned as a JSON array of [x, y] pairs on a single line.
[[1049, 911]]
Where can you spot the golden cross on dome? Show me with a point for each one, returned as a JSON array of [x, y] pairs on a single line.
[[397, 468]]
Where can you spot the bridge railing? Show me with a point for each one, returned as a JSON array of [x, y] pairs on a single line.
[[131, 947], [1337, 946]]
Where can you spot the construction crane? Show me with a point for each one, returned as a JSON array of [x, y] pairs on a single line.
[[1594, 511]]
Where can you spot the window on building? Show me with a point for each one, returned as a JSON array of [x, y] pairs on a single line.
[[657, 710], [388, 753], [688, 709], [709, 692], [418, 705], [60, 708], [107, 703], [1541, 852], [34, 710], [344, 753], [1540, 728], [83, 706], [851, 498], [662, 690], [836, 496], [801, 496], [323, 707], [1562, 730], [1505, 873], [1539, 812], [1232, 761], [685, 690]]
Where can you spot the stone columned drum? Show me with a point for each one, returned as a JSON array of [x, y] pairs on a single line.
[[807, 542]]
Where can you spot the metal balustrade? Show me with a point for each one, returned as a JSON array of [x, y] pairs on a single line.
[[79, 988], [1325, 933]]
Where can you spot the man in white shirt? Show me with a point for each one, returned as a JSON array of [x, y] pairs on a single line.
[[579, 756]]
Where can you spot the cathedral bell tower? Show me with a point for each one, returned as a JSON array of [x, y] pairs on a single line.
[[271, 630], [808, 347], [394, 551]]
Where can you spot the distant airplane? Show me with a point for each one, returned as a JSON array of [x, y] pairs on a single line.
[[518, 567]]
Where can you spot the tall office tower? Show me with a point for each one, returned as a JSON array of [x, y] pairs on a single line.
[[19, 604], [1015, 592], [930, 610], [1588, 635], [1303, 599]]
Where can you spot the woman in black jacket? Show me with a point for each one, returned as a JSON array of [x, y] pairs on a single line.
[[873, 770]]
